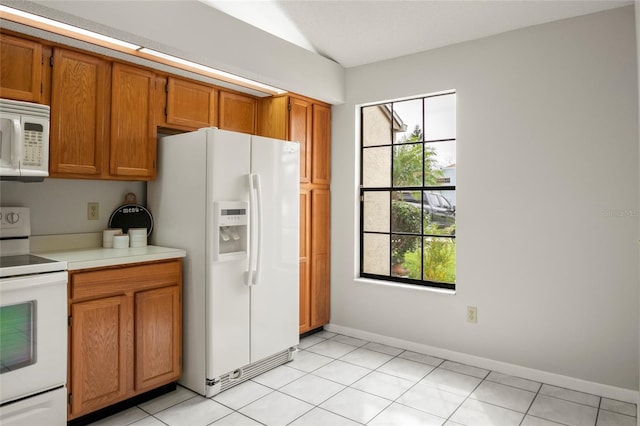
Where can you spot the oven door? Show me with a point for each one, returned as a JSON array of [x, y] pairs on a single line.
[[33, 334]]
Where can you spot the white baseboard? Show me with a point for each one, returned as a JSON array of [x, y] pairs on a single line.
[[607, 391]]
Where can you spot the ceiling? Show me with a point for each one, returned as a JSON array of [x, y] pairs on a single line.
[[358, 32]]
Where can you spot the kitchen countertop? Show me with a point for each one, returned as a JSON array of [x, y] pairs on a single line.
[[95, 257]]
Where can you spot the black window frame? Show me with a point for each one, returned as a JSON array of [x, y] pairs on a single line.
[[390, 189]]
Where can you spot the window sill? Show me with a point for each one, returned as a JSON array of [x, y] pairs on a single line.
[[371, 281]]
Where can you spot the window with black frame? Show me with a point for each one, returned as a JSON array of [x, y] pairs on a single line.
[[408, 191]]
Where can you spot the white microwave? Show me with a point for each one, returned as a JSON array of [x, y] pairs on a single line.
[[24, 141]]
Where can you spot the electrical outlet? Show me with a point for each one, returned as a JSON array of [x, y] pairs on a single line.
[[93, 211], [472, 314]]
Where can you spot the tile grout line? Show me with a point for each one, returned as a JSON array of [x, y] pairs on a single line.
[[531, 404], [598, 411], [466, 398]]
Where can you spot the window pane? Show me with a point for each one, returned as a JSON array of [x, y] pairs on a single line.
[[407, 165], [439, 212], [440, 117], [407, 121], [440, 163], [440, 259], [406, 214], [17, 348], [376, 125], [376, 211], [375, 256], [405, 256], [376, 167]]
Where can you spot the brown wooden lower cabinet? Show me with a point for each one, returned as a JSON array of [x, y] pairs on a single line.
[[125, 332], [314, 257], [305, 248], [320, 268]]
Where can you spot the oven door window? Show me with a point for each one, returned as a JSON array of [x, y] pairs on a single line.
[[17, 336]]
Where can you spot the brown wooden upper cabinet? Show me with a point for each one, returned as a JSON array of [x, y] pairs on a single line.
[[321, 145], [133, 129], [20, 69], [237, 112], [184, 104], [79, 114], [307, 122], [102, 123]]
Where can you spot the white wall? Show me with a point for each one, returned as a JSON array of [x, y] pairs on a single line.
[[59, 206], [550, 114], [195, 31]]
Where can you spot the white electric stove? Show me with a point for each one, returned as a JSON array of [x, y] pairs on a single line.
[[33, 328]]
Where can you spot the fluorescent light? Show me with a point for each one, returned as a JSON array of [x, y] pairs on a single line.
[[61, 28], [215, 72], [67, 27]]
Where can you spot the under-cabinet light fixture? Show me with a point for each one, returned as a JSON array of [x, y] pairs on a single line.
[[77, 33], [222, 75], [55, 26]]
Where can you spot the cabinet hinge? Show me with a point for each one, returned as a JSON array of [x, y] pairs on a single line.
[[70, 399], [70, 322], [165, 111], [166, 88], [289, 106], [362, 198], [42, 59], [51, 60]]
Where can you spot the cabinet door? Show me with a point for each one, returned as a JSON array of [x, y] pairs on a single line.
[[20, 69], [98, 353], [190, 104], [320, 256], [79, 113], [158, 331], [300, 130], [237, 112], [305, 247], [272, 117], [321, 163], [133, 130]]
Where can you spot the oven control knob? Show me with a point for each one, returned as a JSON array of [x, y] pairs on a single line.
[[12, 217]]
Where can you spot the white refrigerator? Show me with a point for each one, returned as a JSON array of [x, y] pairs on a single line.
[[231, 200]]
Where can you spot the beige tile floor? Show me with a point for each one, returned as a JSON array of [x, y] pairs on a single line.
[[339, 380]]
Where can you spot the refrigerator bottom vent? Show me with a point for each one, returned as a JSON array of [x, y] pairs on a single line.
[[250, 371]]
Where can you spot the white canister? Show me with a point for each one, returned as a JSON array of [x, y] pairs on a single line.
[[107, 236], [120, 241], [137, 232], [137, 237]]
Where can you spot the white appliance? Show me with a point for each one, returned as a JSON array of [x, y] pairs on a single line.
[[33, 328], [231, 200], [24, 141]]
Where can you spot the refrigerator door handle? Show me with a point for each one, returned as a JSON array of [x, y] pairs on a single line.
[[252, 232], [258, 187], [252, 276]]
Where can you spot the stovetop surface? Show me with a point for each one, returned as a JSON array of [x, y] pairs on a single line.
[[27, 264], [22, 260]]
